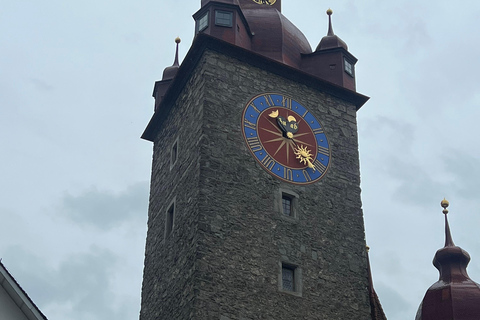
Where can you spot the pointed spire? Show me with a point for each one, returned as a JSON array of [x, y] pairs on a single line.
[[331, 40], [177, 41], [330, 28], [448, 235], [170, 72]]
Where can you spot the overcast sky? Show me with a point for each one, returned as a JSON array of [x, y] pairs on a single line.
[[76, 80]]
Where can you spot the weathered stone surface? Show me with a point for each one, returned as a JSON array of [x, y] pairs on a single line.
[[223, 257]]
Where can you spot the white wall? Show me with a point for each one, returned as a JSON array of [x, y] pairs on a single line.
[[8, 309]]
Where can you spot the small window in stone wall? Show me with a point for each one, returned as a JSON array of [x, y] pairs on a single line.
[[290, 279], [169, 219], [287, 203], [223, 18], [174, 154]]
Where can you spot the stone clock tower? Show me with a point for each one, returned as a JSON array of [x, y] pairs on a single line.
[[255, 209]]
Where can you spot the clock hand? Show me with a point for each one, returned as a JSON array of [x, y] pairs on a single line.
[[282, 124], [304, 155]]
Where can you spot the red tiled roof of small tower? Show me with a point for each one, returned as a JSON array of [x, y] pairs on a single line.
[[454, 296]]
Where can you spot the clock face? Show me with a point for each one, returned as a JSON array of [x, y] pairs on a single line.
[[286, 139], [270, 2]]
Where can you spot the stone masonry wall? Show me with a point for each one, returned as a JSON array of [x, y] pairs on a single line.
[[168, 282], [244, 237], [223, 258]]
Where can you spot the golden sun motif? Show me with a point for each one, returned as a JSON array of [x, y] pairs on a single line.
[[305, 156]]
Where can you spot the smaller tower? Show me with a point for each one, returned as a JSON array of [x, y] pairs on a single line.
[[169, 73], [331, 60], [454, 296]]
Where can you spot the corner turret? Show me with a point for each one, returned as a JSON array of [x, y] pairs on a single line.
[[169, 74], [331, 60]]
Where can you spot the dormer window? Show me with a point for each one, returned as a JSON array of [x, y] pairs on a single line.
[[348, 67], [223, 18], [202, 23]]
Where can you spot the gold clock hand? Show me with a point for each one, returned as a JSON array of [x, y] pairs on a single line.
[[304, 155]]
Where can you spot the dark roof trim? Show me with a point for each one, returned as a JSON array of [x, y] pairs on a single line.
[[332, 50], [203, 42], [19, 296]]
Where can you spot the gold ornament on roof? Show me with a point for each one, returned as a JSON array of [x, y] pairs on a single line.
[[178, 40], [444, 205], [329, 11]]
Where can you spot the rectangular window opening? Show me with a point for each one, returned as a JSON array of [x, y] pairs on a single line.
[[223, 18], [287, 205], [288, 278], [202, 23], [348, 67], [174, 154], [169, 220]]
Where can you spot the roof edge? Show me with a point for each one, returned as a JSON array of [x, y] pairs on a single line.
[[18, 290], [204, 41]]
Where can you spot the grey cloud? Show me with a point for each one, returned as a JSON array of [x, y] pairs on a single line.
[[396, 131], [104, 209], [82, 284], [398, 307], [41, 85], [466, 172], [415, 185]]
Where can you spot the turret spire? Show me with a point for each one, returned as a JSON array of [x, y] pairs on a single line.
[[330, 28], [331, 40], [177, 41], [170, 72], [454, 295], [448, 235]]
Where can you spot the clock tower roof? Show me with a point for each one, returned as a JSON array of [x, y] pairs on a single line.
[[255, 25], [275, 36], [204, 42]]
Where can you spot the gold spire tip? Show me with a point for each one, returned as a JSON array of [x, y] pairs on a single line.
[[329, 11], [444, 205], [177, 40]]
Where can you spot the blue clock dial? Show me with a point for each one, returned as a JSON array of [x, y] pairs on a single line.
[[286, 139]]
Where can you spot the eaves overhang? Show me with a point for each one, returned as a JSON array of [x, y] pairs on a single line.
[[19, 296], [203, 42]]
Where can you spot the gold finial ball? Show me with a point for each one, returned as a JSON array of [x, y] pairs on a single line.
[[444, 205], [177, 40], [329, 11]]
